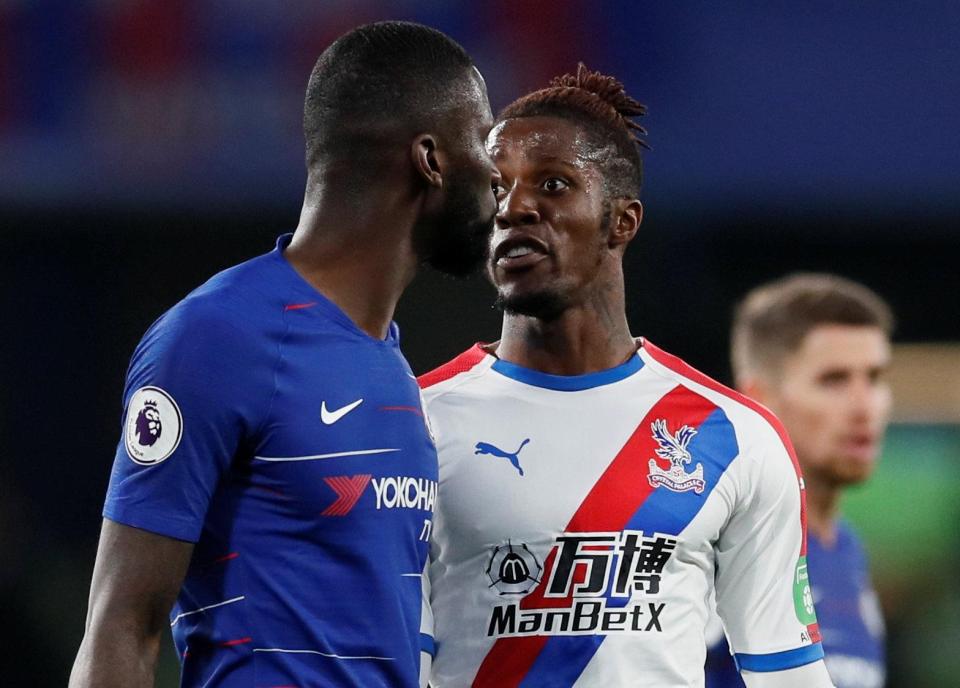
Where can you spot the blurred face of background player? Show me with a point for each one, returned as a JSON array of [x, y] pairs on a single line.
[[454, 234], [833, 399], [552, 247]]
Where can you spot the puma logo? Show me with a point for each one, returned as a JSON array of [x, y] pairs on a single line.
[[512, 457]]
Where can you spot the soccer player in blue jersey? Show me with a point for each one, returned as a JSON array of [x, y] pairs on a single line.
[[814, 349], [272, 493]]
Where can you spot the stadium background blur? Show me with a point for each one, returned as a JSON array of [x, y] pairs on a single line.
[[146, 144]]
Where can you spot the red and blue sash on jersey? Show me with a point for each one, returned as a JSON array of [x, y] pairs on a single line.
[[622, 498]]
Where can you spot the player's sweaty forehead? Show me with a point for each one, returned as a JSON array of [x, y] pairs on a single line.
[[535, 140]]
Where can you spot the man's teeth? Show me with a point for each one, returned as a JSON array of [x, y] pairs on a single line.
[[518, 251]]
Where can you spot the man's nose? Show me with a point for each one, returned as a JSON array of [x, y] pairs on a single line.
[[517, 208], [868, 400]]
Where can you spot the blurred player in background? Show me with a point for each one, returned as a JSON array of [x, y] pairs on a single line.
[[271, 420], [592, 486], [814, 349]]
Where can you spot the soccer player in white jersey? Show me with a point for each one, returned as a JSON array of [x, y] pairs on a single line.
[[593, 488], [814, 348]]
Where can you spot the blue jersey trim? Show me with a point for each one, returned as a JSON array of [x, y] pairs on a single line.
[[568, 383], [778, 661], [428, 644]]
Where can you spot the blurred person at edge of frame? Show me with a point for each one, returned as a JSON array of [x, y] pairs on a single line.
[[269, 411], [814, 349]]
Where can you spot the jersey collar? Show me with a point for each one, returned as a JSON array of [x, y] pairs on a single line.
[[568, 383], [318, 299]]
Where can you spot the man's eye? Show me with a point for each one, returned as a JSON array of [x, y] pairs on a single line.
[[834, 378], [499, 190], [555, 184]]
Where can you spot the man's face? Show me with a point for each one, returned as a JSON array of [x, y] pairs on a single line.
[[834, 401], [456, 241], [549, 245]]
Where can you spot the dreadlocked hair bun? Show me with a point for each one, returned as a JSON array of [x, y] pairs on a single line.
[[595, 91], [600, 97]]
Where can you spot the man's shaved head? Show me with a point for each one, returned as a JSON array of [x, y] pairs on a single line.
[[379, 82]]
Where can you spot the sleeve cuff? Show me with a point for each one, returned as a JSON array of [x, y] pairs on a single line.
[[428, 645], [778, 661], [160, 524]]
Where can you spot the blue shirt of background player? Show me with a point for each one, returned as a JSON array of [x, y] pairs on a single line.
[[847, 611], [310, 510]]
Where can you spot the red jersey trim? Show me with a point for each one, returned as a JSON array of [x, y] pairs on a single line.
[[461, 364]]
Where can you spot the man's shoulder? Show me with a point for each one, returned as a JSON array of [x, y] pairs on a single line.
[[248, 285], [231, 311], [754, 421], [244, 290], [699, 382], [454, 372]]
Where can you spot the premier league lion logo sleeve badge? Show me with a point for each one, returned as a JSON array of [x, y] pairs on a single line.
[[153, 426]]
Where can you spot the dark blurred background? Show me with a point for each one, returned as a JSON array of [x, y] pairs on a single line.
[[146, 144]]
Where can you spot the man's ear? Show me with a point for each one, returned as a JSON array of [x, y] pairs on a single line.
[[427, 163], [628, 214]]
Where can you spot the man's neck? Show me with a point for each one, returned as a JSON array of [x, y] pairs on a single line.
[[586, 338], [823, 504], [350, 256]]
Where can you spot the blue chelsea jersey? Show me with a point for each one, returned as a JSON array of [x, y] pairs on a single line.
[[263, 425], [850, 617]]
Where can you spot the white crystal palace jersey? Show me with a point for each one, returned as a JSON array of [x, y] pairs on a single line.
[[582, 522]]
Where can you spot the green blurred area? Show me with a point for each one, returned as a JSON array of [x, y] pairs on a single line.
[[908, 514]]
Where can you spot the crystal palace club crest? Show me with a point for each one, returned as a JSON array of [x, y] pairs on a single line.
[[674, 449]]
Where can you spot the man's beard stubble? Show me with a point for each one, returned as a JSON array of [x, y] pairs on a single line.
[[456, 242], [543, 305]]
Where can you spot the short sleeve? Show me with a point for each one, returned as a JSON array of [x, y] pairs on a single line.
[[186, 411], [763, 593]]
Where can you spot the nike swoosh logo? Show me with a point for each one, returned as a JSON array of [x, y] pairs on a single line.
[[331, 417]]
